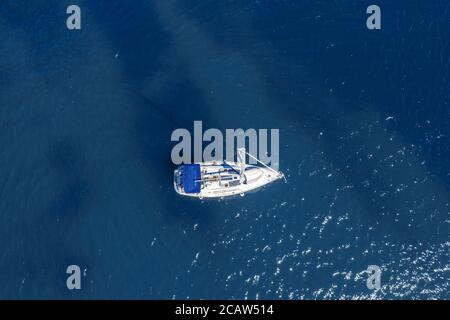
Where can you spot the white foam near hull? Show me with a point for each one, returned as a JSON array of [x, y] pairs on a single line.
[[220, 180]]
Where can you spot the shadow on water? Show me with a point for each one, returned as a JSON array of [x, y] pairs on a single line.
[[75, 194], [51, 192], [65, 213], [48, 231], [163, 97]]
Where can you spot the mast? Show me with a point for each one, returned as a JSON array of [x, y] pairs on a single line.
[[241, 160]]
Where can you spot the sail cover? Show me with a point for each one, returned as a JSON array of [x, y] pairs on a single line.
[[191, 177]]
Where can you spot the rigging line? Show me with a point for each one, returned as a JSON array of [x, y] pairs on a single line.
[[278, 173]]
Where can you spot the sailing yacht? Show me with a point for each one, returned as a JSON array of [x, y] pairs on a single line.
[[214, 179]]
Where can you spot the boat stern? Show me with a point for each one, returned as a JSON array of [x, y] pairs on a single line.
[[187, 179], [177, 180]]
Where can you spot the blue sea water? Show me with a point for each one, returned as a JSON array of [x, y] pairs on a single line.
[[85, 170]]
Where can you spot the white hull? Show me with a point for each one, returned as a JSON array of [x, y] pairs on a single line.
[[218, 180]]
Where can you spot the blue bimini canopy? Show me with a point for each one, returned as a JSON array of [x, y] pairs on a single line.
[[191, 178]]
